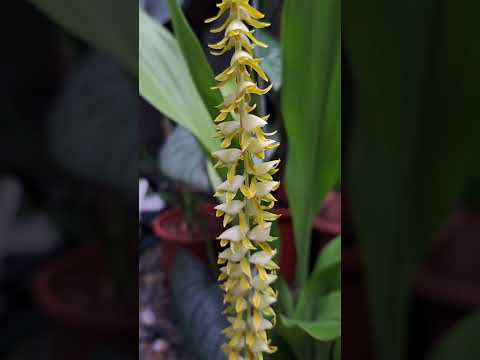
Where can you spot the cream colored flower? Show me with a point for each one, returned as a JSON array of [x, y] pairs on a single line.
[[248, 269]]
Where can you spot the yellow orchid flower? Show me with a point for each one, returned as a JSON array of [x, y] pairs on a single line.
[[248, 269]]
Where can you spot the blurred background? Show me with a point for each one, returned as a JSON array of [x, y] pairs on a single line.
[[68, 187], [411, 224]]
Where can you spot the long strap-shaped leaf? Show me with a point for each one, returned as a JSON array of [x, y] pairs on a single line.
[[311, 109], [166, 83], [412, 144], [194, 54], [461, 342], [106, 24]]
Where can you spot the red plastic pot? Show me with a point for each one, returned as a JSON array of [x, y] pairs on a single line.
[[80, 322], [171, 227]]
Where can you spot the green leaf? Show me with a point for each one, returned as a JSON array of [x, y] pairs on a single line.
[[285, 298], [91, 127], [272, 58], [330, 256], [414, 144], [198, 304], [325, 330], [194, 54], [165, 82], [181, 159], [326, 277], [323, 350], [105, 24], [337, 349], [301, 344], [326, 325], [311, 110], [461, 342]]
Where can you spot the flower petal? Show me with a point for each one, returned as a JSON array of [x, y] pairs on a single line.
[[232, 186], [260, 232], [251, 122], [231, 208], [228, 155], [262, 257], [233, 234]]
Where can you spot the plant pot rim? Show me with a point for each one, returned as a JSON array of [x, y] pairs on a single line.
[[74, 315], [169, 216]]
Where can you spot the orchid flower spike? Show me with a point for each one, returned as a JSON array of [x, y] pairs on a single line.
[[248, 269]]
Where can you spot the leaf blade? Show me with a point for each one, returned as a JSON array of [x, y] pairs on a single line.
[[91, 21], [202, 73], [165, 82], [461, 342], [311, 109]]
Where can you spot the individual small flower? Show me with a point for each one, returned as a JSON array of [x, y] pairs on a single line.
[[231, 186], [260, 232], [232, 234], [231, 208], [262, 257], [228, 156], [266, 187], [252, 122], [229, 127]]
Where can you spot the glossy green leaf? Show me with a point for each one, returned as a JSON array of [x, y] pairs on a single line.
[[326, 330], [165, 82], [194, 55], [461, 342], [330, 256], [311, 110], [285, 297], [106, 24], [413, 144], [325, 278], [198, 304], [327, 324]]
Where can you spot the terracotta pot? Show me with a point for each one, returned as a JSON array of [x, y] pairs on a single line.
[[448, 287], [170, 226], [82, 320]]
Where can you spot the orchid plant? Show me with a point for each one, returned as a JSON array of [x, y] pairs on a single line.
[[246, 195], [175, 77]]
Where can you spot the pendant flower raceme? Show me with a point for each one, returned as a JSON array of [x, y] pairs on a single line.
[[248, 270]]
